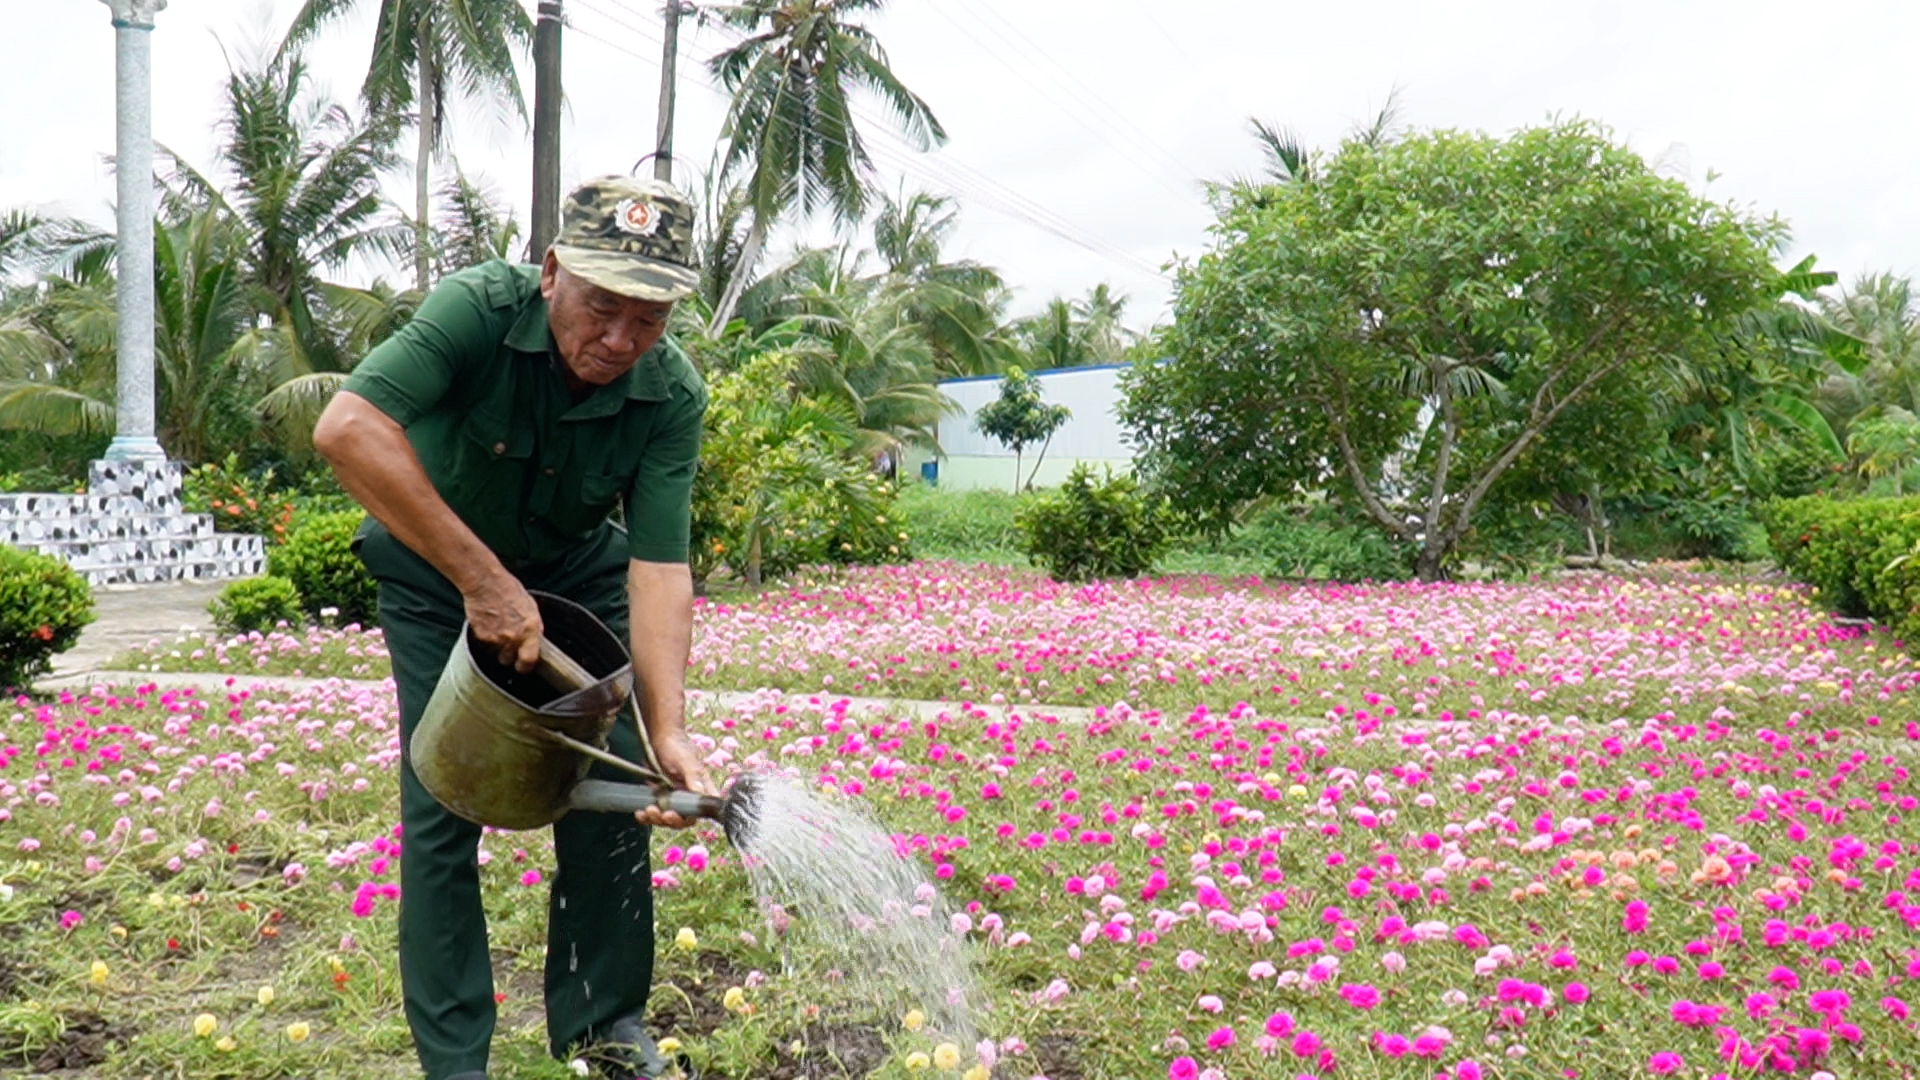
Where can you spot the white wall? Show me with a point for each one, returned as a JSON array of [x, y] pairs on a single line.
[[1091, 434]]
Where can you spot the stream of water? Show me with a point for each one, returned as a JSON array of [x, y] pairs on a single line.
[[826, 873]]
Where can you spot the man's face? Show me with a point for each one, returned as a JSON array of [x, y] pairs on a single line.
[[601, 334]]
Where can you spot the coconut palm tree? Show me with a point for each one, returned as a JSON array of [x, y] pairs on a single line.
[[423, 50], [1882, 312], [959, 306], [790, 129]]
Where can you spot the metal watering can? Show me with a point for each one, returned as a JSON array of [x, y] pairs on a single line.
[[511, 749]]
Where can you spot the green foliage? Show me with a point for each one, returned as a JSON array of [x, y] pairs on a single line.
[[1088, 530], [1886, 445], [318, 559], [1019, 417], [1321, 543], [260, 603], [1862, 556], [239, 502], [44, 605], [1404, 322], [969, 526], [779, 485]]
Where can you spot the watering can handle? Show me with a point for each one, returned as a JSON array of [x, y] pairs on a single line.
[[561, 671]]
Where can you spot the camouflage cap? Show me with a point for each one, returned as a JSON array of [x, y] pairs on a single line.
[[629, 236]]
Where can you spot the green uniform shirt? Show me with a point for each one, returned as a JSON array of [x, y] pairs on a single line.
[[476, 382]]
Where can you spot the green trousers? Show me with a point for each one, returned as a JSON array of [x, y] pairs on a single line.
[[599, 963]]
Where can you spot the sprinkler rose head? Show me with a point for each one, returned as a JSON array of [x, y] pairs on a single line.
[[740, 811], [737, 811]]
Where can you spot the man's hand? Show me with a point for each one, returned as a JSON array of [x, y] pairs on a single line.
[[680, 761], [504, 616]]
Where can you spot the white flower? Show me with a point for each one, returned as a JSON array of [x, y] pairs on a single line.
[[6, 893], [579, 1067]]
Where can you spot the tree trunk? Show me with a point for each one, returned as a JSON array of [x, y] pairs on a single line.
[[1426, 565], [1038, 461], [737, 281], [753, 559], [1016, 470], [423, 163]]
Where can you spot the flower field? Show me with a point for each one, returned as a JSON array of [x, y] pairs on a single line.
[[1193, 829]]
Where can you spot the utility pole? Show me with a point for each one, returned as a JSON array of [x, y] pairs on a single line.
[[669, 62], [546, 131], [133, 435]]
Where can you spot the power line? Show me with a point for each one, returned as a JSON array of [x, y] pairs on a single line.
[[968, 184], [1041, 61], [956, 176]]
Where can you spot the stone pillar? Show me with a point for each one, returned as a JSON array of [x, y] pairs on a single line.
[[133, 438]]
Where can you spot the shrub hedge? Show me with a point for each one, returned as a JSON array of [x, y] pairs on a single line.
[[1862, 556]]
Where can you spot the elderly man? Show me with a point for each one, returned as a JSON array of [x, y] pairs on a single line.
[[489, 440]]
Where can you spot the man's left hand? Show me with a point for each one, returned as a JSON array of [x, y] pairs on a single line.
[[680, 761]]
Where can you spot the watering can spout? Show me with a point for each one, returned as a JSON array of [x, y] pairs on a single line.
[[734, 810]]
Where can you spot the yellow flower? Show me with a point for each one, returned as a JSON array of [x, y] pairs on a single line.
[[735, 999], [265, 996], [1297, 791], [946, 1056], [97, 974], [119, 932], [978, 1072], [226, 1045], [668, 1045], [686, 940], [204, 1025], [334, 965], [913, 1020], [917, 1061], [298, 1031]]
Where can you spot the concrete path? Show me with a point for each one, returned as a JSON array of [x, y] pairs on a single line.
[[129, 616]]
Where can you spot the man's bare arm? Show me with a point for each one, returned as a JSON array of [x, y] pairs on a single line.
[[660, 609], [370, 453]]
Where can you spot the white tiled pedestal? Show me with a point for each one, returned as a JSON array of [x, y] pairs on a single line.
[[129, 528]]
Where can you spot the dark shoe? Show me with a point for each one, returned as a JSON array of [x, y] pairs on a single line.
[[626, 1052]]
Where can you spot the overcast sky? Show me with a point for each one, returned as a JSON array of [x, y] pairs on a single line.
[[1080, 130]]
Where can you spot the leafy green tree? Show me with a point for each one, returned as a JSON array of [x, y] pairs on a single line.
[[423, 51], [790, 127], [1019, 417], [474, 227], [1413, 318]]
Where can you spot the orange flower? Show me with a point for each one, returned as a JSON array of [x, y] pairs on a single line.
[[44, 632]]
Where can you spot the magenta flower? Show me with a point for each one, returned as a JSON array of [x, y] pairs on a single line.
[[1306, 1044], [1220, 1039], [1280, 1024], [1183, 1068], [1575, 993], [1665, 1061], [1360, 996]]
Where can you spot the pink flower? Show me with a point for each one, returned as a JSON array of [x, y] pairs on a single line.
[[1280, 1025], [1393, 962], [1576, 993], [1306, 1044], [530, 878], [1183, 1068], [70, 919], [1221, 1038], [1467, 1070], [1665, 1061], [1188, 960], [1210, 1003]]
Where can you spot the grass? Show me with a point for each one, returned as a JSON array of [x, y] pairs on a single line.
[[1416, 782]]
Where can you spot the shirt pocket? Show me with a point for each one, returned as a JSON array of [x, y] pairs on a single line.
[[494, 455], [600, 496]]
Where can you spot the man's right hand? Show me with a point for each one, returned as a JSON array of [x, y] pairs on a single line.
[[504, 616]]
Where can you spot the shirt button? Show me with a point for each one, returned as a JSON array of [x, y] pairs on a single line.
[[549, 470], [499, 448]]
